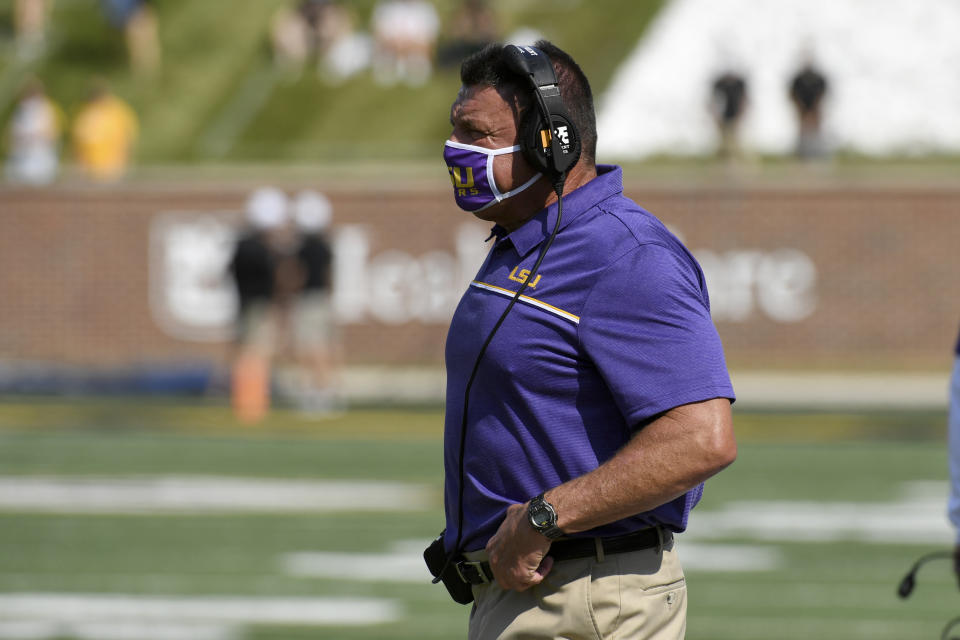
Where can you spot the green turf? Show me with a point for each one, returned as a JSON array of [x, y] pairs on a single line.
[[835, 591]]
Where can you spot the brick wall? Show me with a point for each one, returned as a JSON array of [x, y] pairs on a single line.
[[799, 276], [887, 265]]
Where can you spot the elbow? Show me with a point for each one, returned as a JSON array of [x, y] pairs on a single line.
[[714, 458], [700, 440], [720, 444], [723, 453], [714, 452]]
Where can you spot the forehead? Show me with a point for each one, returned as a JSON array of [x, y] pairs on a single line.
[[482, 103]]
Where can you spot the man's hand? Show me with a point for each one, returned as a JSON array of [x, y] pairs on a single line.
[[518, 553]]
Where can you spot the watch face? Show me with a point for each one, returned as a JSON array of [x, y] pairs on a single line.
[[541, 515]]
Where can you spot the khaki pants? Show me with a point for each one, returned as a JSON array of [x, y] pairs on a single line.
[[641, 595]]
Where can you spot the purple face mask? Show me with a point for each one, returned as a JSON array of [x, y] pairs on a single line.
[[471, 172]]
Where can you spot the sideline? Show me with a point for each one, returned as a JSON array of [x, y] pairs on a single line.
[[756, 389]]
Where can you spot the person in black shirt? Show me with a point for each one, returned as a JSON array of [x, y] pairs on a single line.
[[807, 90], [728, 103], [253, 267], [314, 327]]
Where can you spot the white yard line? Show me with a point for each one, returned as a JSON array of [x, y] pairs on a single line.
[[115, 630], [205, 494], [804, 627], [76, 608], [729, 558], [918, 517], [404, 563], [363, 567]]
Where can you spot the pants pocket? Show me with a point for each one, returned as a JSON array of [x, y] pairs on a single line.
[[639, 596]]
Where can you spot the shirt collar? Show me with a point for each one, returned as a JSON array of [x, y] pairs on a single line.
[[609, 182]]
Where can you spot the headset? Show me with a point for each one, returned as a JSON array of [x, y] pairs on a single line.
[[550, 142], [909, 581]]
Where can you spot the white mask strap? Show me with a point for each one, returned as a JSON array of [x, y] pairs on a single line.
[[499, 197], [483, 150]]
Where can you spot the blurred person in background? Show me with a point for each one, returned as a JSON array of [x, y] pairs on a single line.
[[313, 324], [30, 27], [473, 26], [139, 23], [321, 31], [34, 137], [290, 38], [253, 267], [728, 102], [405, 34], [807, 91], [954, 449], [104, 132], [346, 50]]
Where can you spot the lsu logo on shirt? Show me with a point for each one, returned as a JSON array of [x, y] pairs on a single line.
[[463, 182], [522, 276]]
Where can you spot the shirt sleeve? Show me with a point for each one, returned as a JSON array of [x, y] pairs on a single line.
[[646, 327]]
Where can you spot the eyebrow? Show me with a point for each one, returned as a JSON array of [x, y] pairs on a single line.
[[466, 120]]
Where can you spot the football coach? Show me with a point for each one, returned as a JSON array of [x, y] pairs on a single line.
[[588, 397]]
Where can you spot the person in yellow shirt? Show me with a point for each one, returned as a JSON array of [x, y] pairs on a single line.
[[104, 133]]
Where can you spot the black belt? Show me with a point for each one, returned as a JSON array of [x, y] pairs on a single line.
[[480, 572]]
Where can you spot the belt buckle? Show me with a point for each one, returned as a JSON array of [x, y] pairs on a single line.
[[474, 569]]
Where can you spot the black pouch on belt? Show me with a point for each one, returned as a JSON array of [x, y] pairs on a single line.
[[436, 558]]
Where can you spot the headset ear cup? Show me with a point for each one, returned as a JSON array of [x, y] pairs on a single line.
[[530, 127], [569, 135]]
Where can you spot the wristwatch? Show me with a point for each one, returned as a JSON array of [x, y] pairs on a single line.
[[543, 517]]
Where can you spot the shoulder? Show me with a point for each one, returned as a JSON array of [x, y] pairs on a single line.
[[620, 226], [635, 254], [606, 226]]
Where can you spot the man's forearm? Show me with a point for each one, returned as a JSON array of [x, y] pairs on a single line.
[[667, 458]]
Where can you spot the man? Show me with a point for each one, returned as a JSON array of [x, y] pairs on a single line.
[[603, 396], [314, 327], [728, 103], [954, 445], [807, 91], [253, 267]]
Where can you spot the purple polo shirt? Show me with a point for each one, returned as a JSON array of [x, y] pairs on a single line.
[[614, 329]]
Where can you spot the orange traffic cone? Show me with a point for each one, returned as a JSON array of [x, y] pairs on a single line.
[[250, 388]]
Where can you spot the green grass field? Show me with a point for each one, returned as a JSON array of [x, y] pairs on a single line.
[[806, 536]]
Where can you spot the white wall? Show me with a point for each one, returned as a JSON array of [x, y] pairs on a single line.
[[893, 68]]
